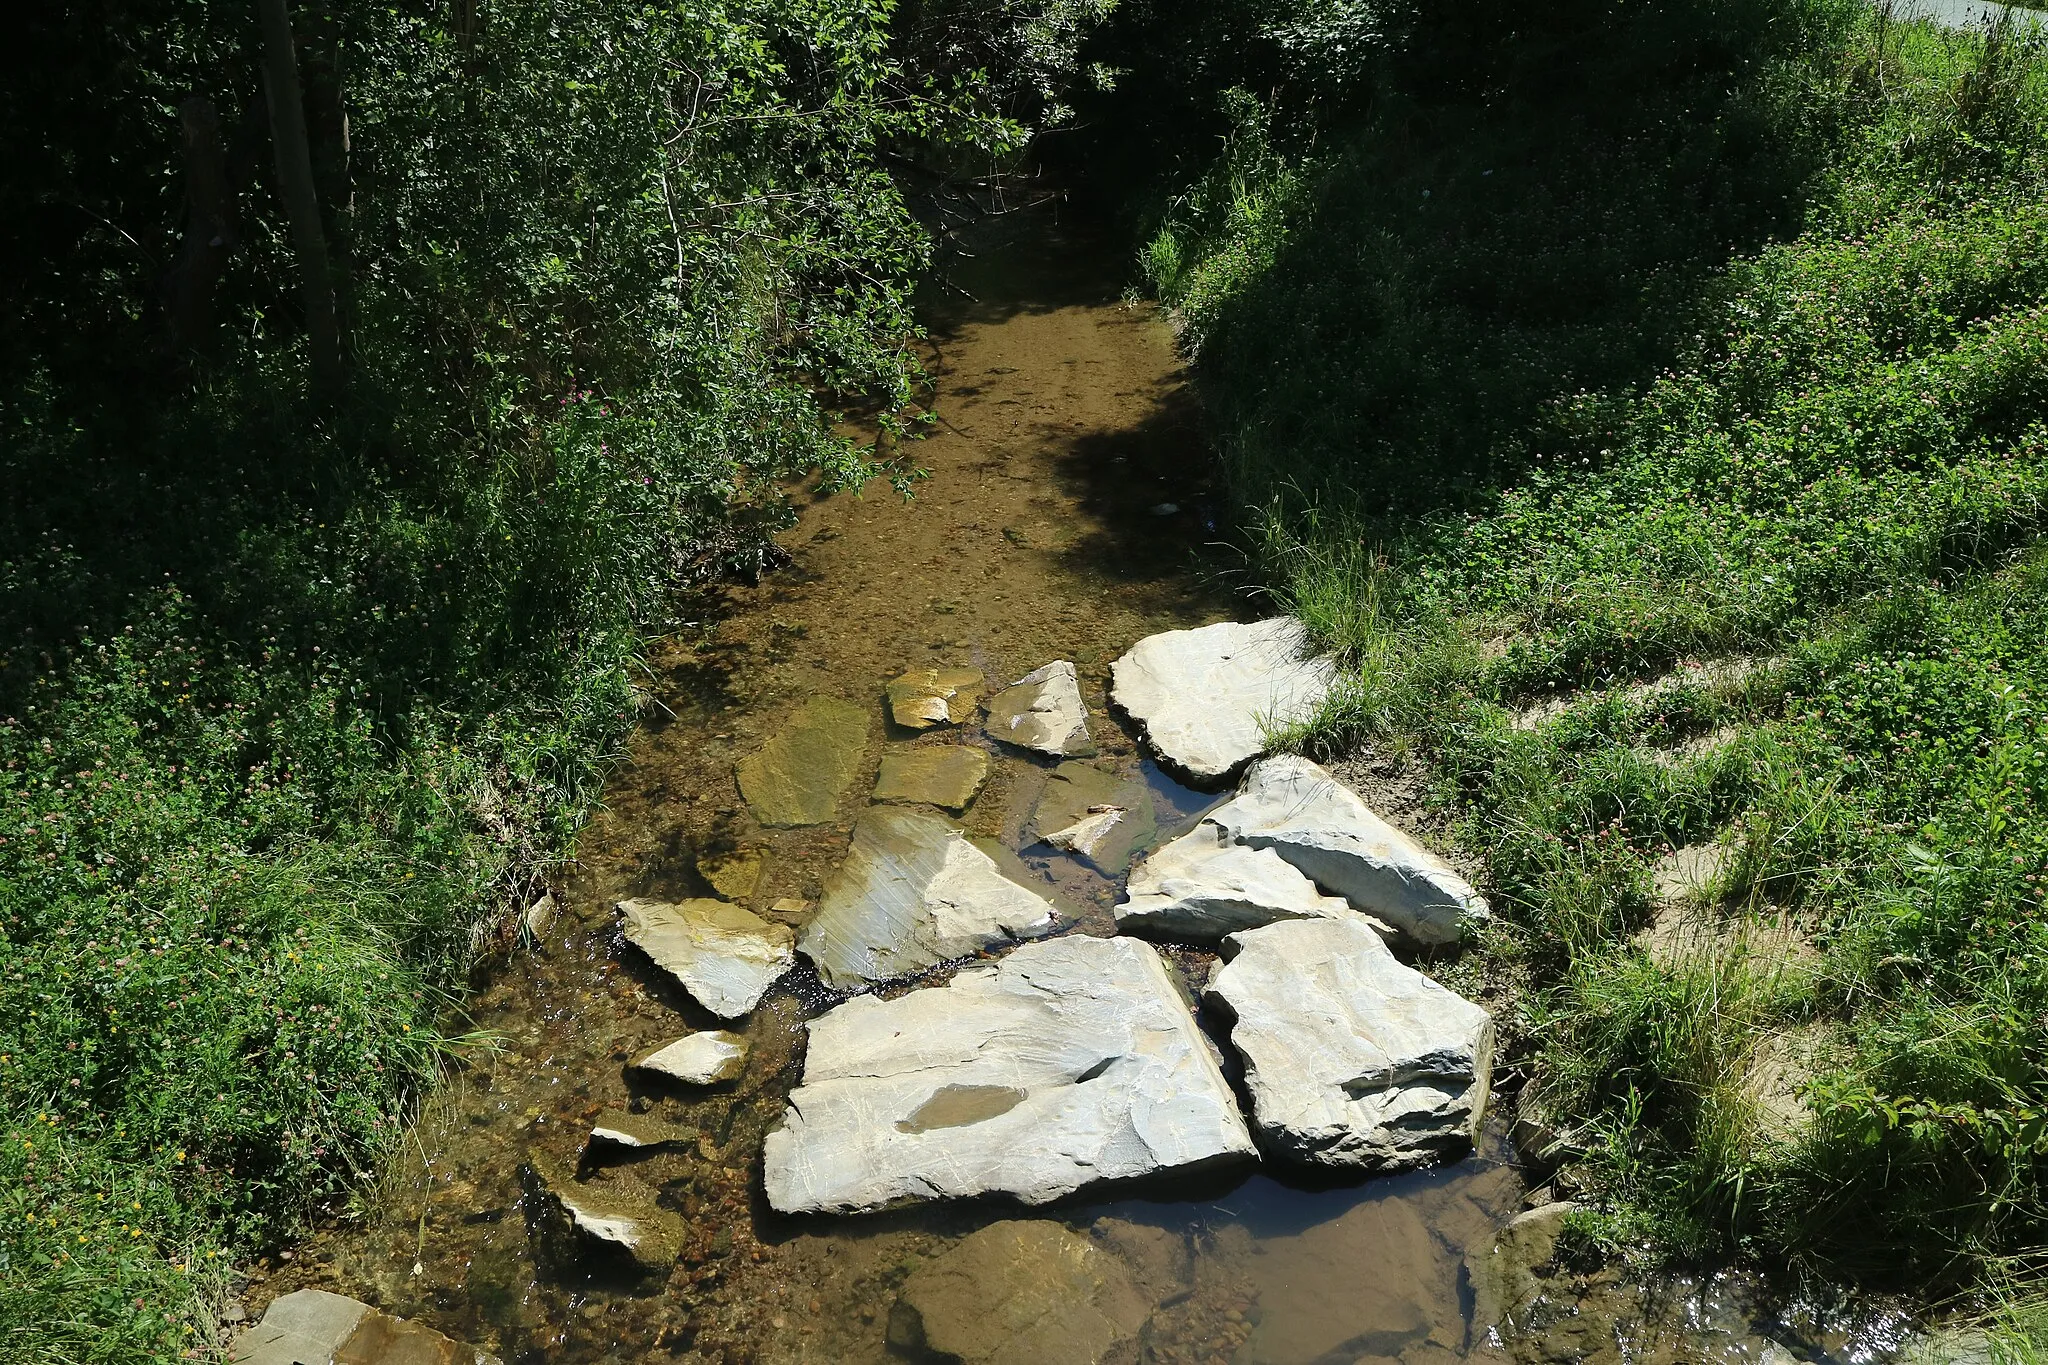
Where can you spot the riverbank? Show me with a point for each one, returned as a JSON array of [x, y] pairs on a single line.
[[1650, 410]]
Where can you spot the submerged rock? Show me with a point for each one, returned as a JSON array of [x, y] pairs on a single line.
[[1023, 1292], [1094, 814], [1207, 697], [796, 777], [616, 1213], [947, 775], [1353, 1060], [924, 697], [1065, 1064], [726, 957], [913, 892], [1043, 711], [1315, 822], [314, 1327], [639, 1131], [1201, 887], [736, 875], [1508, 1276], [700, 1059]]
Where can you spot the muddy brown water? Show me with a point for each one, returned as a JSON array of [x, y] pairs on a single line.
[[1066, 516]]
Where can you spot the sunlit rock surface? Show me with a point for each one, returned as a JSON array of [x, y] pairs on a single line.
[[915, 891], [1353, 1059], [1202, 886], [945, 775], [1067, 1063], [796, 777], [314, 1327], [700, 1059], [1207, 697], [1315, 822], [725, 956], [612, 1213], [925, 697], [1043, 711]]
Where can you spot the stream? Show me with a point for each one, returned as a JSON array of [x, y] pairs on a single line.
[[1066, 515]]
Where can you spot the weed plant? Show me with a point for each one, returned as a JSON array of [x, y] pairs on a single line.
[[1648, 403]]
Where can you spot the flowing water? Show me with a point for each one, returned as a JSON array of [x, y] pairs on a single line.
[[1065, 517]]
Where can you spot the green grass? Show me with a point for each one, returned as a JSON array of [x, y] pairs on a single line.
[[1576, 351]]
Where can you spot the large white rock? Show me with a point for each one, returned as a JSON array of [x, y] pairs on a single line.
[[726, 957], [913, 892], [1043, 710], [1066, 1064], [1315, 822], [1207, 697], [1202, 886], [1353, 1059]]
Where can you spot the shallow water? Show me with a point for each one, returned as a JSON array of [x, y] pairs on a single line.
[[1040, 534]]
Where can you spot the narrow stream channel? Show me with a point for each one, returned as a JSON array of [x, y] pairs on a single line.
[[1064, 517]]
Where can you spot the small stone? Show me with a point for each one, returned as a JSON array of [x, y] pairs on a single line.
[[913, 892], [924, 697], [1505, 1278], [1020, 1293], [540, 916], [946, 775], [726, 957], [1043, 711], [621, 1129], [735, 876], [1353, 1059], [1315, 822], [700, 1059], [1207, 698], [796, 777], [1062, 1065], [617, 1213], [1201, 887], [1095, 814]]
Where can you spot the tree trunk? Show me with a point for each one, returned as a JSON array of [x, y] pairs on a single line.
[[209, 230], [301, 202]]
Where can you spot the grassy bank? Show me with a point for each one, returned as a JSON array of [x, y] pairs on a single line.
[[304, 688], [1649, 402]]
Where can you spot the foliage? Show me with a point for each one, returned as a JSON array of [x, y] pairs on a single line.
[[297, 700], [1648, 405]]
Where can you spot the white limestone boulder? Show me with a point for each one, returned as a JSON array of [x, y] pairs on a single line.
[[1043, 711], [1202, 886], [1319, 825], [1353, 1060], [913, 892], [1207, 697], [725, 956], [699, 1059], [1066, 1064]]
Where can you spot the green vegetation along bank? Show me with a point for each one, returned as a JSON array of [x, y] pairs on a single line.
[[1651, 403], [377, 376]]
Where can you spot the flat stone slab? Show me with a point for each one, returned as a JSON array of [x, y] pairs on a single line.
[[639, 1132], [1319, 825], [725, 956], [1023, 1292], [314, 1327], [1043, 711], [615, 1213], [945, 775], [704, 1058], [1095, 814], [1065, 1064], [1353, 1059], [734, 875], [925, 697], [1206, 698], [913, 892], [796, 778], [1202, 886]]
